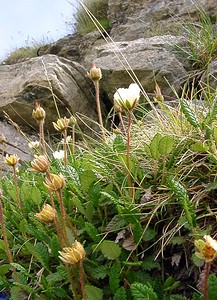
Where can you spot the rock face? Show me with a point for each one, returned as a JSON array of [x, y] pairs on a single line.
[[131, 20], [151, 59], [47, 80], [139, 43]]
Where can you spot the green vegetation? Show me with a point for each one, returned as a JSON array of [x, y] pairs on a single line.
[[98, 9], [201, 46], [126, 214]]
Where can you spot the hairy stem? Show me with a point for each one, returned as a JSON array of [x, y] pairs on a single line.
[[129, 176], [7, 249], [16, 188], [96, 83], [81, 275], [207, 270]]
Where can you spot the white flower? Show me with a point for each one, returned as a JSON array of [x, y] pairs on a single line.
[[58, 154], [210, 241], [127, 98], [34, 145], [68, 140]]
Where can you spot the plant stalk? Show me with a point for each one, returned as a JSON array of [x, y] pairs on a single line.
[[96, 83], [207, 270], [129, 176]]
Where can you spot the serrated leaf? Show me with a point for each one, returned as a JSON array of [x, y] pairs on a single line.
[[93, 293], [212, 287], [189, 113], [184, 200], [100, 272], [92, 232], [5, 268], [177, 297], [199, 147], [40, 252], [55, 246], [86, 179], [36, 195], [143, 292], [149, 234], [147, 149], [114, 277], [115, 223], [154, 146], [119, 144], [137, 232], [166, 145], [120, 294], [110, 249]]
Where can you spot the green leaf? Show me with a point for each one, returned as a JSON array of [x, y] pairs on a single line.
[[86, 179], [143, 292], [120, 294], [39, 251], [166, 145], [114, 277], [199, 147], [137, 232], [177, 297], [36, 195], [92, 232], [100, 272], [110, 249], [149, 234], [55, 246], [115, 223], [212, 287], [197, 296], [154, 146], [184, 200], [93, 293], [189, 113], [4, 269], [119, 144], [77, 203]]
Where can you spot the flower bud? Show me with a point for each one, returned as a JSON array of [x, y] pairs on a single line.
[[73, 121], [158, 95], [40, 164], [72, 255], [55, 182], [61, 124], [11, 160], [95, 73], [47, 214], [38, 113]]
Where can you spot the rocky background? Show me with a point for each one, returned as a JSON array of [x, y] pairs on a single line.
[[144, 33]]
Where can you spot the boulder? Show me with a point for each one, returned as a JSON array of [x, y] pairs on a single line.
[[151, 59], [49, 80], [15, 143], [131, 20]]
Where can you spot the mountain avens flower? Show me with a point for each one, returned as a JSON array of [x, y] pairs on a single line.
[[95, 73], [34, 145], [47, 214], [55, 182], [40, 164], [127, 98], [206, 250], [62, 124], [38, 113], [58, 154], [72, 255], [11, 160]]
